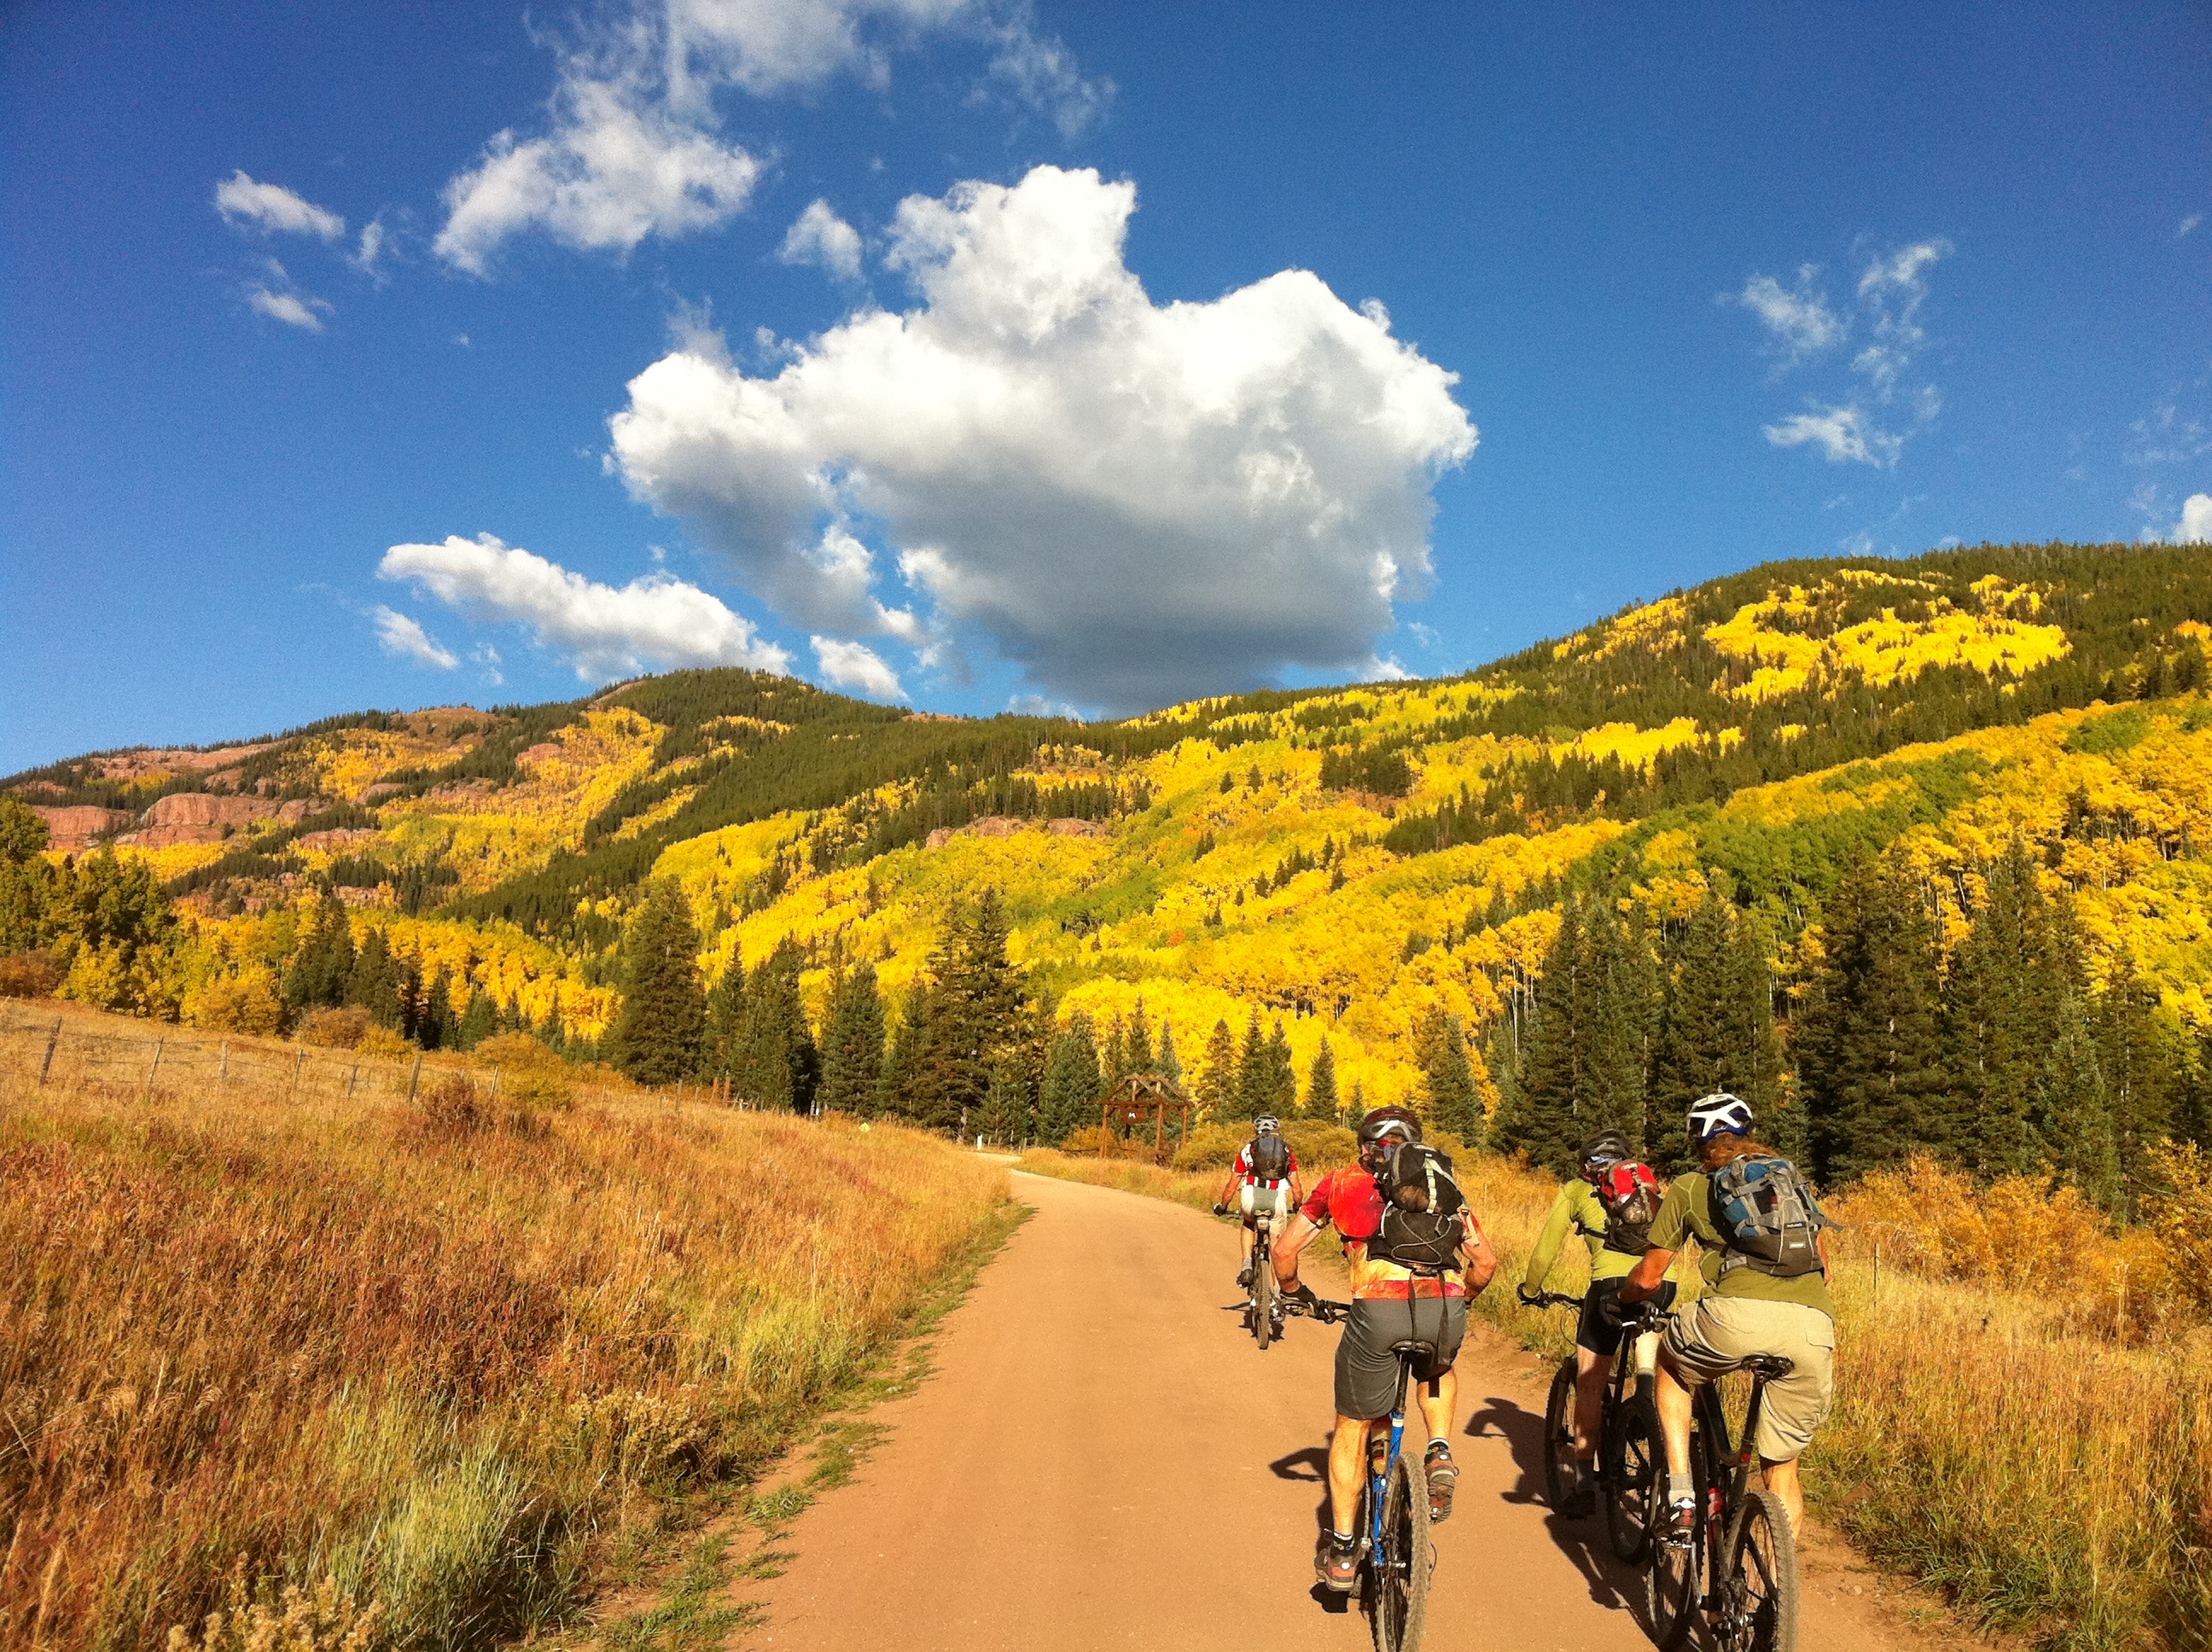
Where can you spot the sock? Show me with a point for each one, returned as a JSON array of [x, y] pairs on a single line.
[[1680, 1490], [1342, 1540], [1438, 1443]]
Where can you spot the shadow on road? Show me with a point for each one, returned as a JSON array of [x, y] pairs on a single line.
[[1612, 1585]]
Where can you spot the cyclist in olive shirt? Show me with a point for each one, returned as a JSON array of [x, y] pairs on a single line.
[[1745, 1312], [1597, 1338]]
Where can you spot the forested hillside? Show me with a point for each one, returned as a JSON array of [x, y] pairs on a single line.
[[1906, 851]]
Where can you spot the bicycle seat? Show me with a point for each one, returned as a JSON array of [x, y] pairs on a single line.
[[1768, 1367], [1426, 1350]]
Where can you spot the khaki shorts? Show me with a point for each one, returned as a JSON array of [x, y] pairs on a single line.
[[1716, 1334]]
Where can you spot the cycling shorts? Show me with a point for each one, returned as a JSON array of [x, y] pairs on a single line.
[[1254, 1197], [1366, 1369], [1600, 1329]]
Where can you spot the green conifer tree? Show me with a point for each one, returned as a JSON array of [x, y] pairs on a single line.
[[1542, 1122], [852, 1045], [1449, 1099], [659, 1033], [324, 963], [373, 983], [1321, 1100], [2073, 1111], [909, 1037], [1253, 1089], [480, 1020], [1281, 1079], [1716, 1031], [439, 1027], [777, 1065], [1217, 1090], [1069, 1098]]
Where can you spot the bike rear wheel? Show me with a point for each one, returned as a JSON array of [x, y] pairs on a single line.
[[1399, 1569], [1635, 1473], [1671, 1585], [1263, 1297], [1559, 1436], [1758, 1597]]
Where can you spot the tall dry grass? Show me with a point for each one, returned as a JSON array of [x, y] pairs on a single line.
[[2023, 1411], [437, 1358]]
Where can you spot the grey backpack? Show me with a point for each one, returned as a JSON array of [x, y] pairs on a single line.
[[1766, 1215]]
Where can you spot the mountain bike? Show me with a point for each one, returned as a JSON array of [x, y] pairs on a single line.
[[1736, 1568], [1263, 1297], [1631, 1454], [1396, 1553]]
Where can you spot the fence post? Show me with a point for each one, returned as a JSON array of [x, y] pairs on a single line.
[[52, 1039], [222, 1071], [298, 1062], [415, 1079], [495, 1084], [160, 1044], [352, 1079]]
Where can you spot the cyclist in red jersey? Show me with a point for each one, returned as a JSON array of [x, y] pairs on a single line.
[[1389, 1303], [1264, 1177]]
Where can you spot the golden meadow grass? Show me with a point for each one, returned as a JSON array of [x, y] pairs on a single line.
[[2043, 1453], [443, 1362]]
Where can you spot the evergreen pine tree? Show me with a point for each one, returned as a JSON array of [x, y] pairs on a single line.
[[480, 1020], [1716, 1032], [852, 1045], [1005, 1117], [895, 1090], [1542, 1123], [1614, 1001], [776, 1066], [439, 1027], [1449, 1098], [1138, 1051], [1253, 1090], [1872, 1055], [726, 1014], [1281, 1079], [2140, 1061], [1167, 1064], [1068, 1099], [659, 1033], [977, 1001], [2073, 1111], [2001, 1016], [323, 963], [373, 983], [1321, 1100], [1217, 1080]]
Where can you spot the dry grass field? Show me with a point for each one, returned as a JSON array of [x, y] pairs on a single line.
[[2022, 1416], [397, 1372]]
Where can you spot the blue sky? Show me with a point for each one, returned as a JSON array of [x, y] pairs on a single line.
[[1134, 351]]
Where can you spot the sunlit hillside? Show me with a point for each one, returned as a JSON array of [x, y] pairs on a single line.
[[1347, 861]]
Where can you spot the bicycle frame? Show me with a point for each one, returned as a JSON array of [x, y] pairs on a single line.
[[1733, 1464]]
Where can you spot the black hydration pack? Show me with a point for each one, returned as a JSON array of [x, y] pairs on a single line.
[[1421, 1207], [1269, 1158]]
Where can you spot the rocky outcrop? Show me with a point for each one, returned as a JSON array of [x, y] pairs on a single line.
[[72, 829], [1007, 825], [210, 817]]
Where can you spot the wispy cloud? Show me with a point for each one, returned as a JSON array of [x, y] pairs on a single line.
[[819, 236], [854, 665], [1844, 433], [401, 635], [1890, 294], [1797, 318], [2188, 224], [281, 299], [271, 208]]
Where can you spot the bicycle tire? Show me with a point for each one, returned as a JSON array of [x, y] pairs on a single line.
[[1673, 1573], [1400, 1567], [1263, 1299], [1758, 1595], [1636, 1468], [1559, 1436]]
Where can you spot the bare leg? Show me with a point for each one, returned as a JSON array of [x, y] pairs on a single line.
[[1781, 1480], [1348, 1466], [1592, 1370], [1437, 1409], [1675, 1405]]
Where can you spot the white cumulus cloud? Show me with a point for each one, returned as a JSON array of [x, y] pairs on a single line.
[[603, 631], [616, 168], [2194, 527], [282, 300], [400, 634], [1798, 318], [819, 236], [272, 207], [856, 666], [1844, 433], [1133, 501]]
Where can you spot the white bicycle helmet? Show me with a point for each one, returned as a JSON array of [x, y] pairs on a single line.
[[1269, 1126], [1719, 1113]]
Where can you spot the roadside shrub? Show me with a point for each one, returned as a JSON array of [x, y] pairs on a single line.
[[333, 1030], [530, 1075], [382, 1044], [243, 1004], [30, 974]]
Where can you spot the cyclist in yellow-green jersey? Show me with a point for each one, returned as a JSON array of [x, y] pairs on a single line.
[[1579, 1210]]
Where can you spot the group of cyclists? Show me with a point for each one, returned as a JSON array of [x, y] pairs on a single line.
[[1764, 1251]]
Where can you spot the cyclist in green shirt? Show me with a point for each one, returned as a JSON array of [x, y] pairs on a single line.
[[1751, 1306], [1579, 1210]]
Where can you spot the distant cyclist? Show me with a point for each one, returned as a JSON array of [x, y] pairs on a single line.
[[1391, 1301], [1610, 1206], [1264, 1178], [1765, 1264]]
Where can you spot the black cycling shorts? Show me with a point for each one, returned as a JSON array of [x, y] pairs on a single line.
[[1600, 1329], [1366, 1369]]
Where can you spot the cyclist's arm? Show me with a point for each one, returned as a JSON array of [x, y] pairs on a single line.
[[1670, 1231], [1228, 1195], [1548, 1242], [1821, 1240], [1643, 1279]]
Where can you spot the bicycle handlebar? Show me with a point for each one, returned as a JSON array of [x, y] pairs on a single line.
[[1320, 1307]]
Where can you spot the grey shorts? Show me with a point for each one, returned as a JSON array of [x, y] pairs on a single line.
[[1366, 1369], [1715, 1334]]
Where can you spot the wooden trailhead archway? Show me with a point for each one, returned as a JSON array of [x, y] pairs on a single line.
[[1139, 1095]]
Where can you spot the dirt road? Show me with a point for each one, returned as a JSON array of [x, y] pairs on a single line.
[[1103, 1459]]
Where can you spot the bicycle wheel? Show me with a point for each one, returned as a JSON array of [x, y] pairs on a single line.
[[1263, 1299], [1636, 1464], [1759, 1594], [1559, 1436], [1399, 1601], [1671, 1575]]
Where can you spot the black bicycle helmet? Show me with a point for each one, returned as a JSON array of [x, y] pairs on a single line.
[[1400, 1122], [1607, 1147]]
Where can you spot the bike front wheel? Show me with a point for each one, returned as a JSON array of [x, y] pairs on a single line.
[[1635, 1474], [1671, 1576], [1398, 1597], [1560, 1437], [1758, 1595]]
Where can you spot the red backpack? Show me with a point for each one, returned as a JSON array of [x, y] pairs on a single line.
[[1630, 1194]]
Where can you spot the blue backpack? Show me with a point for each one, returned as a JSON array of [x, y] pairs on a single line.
[[1766, 1215]]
